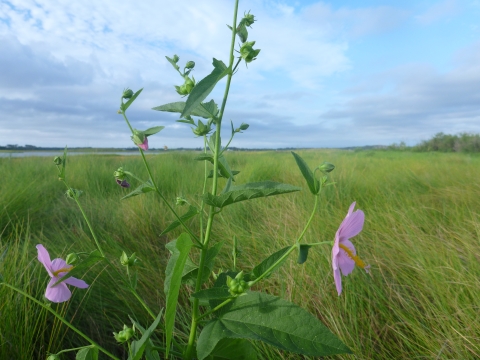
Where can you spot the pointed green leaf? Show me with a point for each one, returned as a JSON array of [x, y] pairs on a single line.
[[192, 211], [223, 166], [303, 253], [88, 353], [312, 182], [212, 252], [211, 108], [268, 262], [171, 61], [153, 130], [215, 293], [228, 185], [125, 106], [210, 174], [203, 88], [234, 349], [242, 33], [173, 280], [247, 192], [80, 269], [138, 347], [179, 106], [142, 189], [150, 354], [259, 316]]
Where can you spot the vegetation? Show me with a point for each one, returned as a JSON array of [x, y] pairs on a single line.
[[421, 237], [463, 142]]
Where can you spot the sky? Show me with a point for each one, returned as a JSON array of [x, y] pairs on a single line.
[[333, 73]]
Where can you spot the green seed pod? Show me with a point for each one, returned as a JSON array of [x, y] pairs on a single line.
[[128, 261], [247, 52], [190, 65], [124, 335], [180, 201], [326, 167], [175, 58], [58, 160], [127, 93], [248, 19]]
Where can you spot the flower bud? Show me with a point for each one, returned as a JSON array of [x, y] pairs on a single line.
[[326, 167], [58, 160], [242, 127], [248, 19], [190, 65], [187, 87], [128, 261], [73, 193], [127, 93], [181, 201], [72, 259], [124, 335], [119, 174], [175, 58], [123, 183], [247, 52], [237, 286], [201, 129]]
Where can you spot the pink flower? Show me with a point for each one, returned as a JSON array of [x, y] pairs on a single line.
[[123, 183], [56, 269], [344, 255], [144, 145]]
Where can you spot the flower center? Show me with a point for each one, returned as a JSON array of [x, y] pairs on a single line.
[[355, 258], [55, 273]]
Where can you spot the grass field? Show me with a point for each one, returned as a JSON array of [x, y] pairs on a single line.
[[421, 237]]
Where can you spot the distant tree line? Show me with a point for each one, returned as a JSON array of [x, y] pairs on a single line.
[[463, 142]]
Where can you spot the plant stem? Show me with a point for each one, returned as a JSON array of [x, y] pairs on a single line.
[[195, 310], [310, 219], [58, 316], [216, 308]]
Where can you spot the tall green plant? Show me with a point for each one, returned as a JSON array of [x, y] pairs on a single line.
[[228, 307]]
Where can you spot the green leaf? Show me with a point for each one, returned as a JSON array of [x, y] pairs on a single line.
[[242, 33], [179, 106], [153, 130], [204, 87], [192, 211], [191, 277], [211, 108], [312, 182], [215, 293], [234, 349], [223, 166], [171, 61], [138, 347], [80, 269], [61, 176], [173, 280], [88, 353], [210, 174], [211, 143], [125, 106], [268, 262], [247, 192], [142, 189], [259, 316], [189, 121], [303, 253], [150, 354]]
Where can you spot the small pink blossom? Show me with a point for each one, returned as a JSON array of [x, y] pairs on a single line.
[[344, 255], [144, 145], [57, 269], [123, 183]]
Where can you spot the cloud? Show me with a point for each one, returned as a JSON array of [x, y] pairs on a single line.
[[438, 11], [422, 101]]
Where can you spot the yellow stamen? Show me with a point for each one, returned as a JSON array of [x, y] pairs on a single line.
[[55, 273], [355, 258]]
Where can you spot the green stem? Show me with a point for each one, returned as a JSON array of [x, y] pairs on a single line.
[[65, 322], [195, 310], [195, 237], [296, 245], [219, 306]]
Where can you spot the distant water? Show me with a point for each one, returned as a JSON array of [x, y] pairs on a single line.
[[16, 154]]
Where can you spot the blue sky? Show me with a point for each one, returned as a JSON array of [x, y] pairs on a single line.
[[329, 74]]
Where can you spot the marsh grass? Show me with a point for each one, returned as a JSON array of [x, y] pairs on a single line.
[[421, 237]]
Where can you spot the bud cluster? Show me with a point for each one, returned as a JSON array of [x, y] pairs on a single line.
[[125, 334], [128, 261], [73, 193], [237, 286], [121, 177]]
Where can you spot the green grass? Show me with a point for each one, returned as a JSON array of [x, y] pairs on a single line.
[[421, 237]]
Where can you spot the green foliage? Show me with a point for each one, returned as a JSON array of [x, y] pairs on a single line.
[[268, 262], [302, 253], [463, 142], [138, 347], [190, 272], [89, 353], [142, 189], [180, 249], [312, 182], [204, 110], [247, 192], [205, 87], [192, 211], [126, 105], [258, 316], [233, 349]]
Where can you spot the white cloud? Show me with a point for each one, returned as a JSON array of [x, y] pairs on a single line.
[[438, 11]]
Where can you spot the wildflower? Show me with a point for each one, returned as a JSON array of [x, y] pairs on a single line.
[[344, 255], [144, 145], [123, 183], [57, 269]]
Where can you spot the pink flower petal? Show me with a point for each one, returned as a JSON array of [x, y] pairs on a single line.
[[58, 264], [44, 258], [58, 293], [76, 282], [352, 225], [338, 281], [144, 145]]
